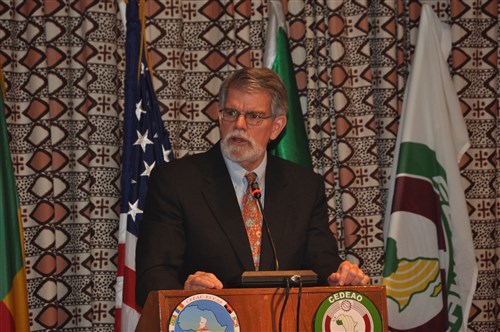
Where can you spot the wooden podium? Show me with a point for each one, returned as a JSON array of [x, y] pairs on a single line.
[[259, 309]]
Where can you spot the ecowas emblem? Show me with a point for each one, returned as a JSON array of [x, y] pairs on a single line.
[[203, 312], [347, 311]]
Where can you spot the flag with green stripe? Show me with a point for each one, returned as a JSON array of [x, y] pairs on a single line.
[[430, 269], [293, 143], [13, 288]]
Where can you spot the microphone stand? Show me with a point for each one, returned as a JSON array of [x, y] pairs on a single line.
[[276, 278], [257, 194]]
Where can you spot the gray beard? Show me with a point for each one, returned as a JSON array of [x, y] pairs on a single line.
[[245, 155]]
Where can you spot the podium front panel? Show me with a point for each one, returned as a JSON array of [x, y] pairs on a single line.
[[259, 309]]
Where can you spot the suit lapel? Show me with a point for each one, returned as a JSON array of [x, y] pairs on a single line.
[[219, 194]]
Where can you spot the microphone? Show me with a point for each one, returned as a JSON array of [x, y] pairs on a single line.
[[257, 194], [277, 278], [274, 278]]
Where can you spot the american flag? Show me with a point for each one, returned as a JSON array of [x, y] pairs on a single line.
[[145, 145]]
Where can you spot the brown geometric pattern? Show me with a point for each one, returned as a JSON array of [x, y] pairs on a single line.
[[64, 61]]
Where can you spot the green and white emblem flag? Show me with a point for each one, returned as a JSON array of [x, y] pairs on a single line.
[[430, 269]]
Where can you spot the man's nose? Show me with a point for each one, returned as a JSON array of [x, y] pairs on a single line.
[[241, 121]]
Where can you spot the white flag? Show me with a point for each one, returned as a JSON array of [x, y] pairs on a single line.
[[430, 269]]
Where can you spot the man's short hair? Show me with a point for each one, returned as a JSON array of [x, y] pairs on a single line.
[[253, 80]]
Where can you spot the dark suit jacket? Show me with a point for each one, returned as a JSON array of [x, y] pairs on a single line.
[[192, 222]]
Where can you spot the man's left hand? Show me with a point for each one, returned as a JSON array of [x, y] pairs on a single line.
[[348, 274]]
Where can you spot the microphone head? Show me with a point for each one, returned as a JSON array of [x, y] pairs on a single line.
[[256, 192]]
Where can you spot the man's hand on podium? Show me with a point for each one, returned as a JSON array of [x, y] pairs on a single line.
[[348, 274], [202, 280]]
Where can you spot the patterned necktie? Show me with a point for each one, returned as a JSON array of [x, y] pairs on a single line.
[[253, 220]]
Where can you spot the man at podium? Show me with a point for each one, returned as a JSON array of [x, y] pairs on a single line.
[[212, 216]]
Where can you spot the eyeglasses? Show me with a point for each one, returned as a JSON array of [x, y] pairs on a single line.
[[251, 118]]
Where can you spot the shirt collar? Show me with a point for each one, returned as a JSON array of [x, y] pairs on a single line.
[[237, 173]]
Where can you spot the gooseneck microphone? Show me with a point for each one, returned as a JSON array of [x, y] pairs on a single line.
[[257, 194], [276, 277]]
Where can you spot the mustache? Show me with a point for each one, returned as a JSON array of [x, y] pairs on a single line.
[[240, 134]]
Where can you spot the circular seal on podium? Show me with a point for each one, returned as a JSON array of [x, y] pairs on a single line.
[[347, 311], [203, 312]]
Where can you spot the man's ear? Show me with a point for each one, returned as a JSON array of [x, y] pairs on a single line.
[[279, 124]]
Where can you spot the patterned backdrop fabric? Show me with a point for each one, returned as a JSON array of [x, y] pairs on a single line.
[[64, 63]]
